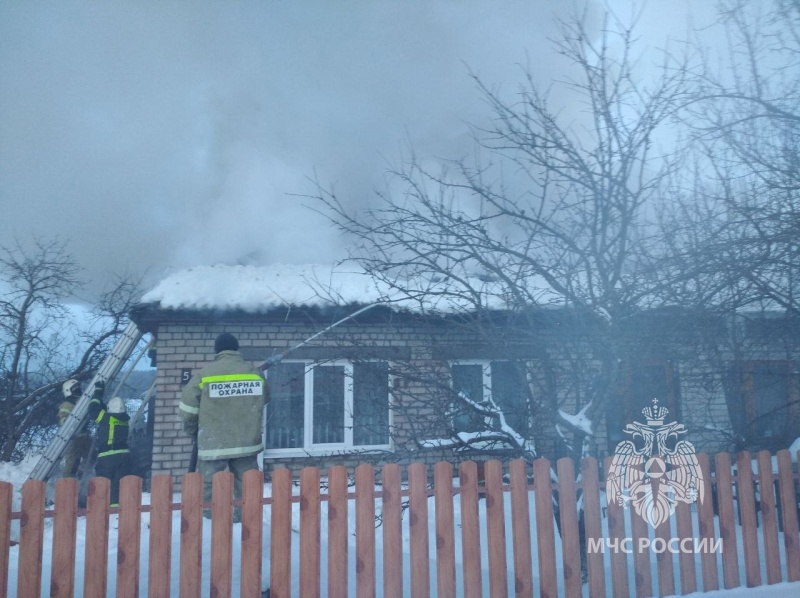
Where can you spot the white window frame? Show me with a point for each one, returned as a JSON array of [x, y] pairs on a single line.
[[326, 449], [486, 379]]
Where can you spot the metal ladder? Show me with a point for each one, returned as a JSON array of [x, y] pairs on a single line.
[[106, 372]]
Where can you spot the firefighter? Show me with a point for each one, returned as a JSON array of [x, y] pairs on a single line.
[[113, 455], [222, 407], [77, 451]]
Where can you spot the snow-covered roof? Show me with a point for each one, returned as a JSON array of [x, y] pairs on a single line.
[[258, 289]]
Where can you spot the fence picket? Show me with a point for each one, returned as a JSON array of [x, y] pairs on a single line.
[[642, 574], [727, 521], [418, 530], [747, 513], [6, 501], [159, 566], [309, 533], [31, 539], [769, 517], [521, 528], [616, 532], [252, 533], [789, 512], [337, 532], [470, 530], [570, 531], [445, 530], [191, 542], [6, 494], [495, 528], [705, 524], [280, 561], [545, 532], [686, 561], [95, 577], [222, 534], [593, 527], [392, 524], [129, 536], [365, 531], [65, 527], [664, 565]]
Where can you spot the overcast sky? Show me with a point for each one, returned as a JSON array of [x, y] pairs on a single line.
[[154, 136]]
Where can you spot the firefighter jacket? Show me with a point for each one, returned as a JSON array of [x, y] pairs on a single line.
[[112, 431], [223, 406], [64, 410]]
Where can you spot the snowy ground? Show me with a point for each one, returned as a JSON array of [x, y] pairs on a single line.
[[17, 475], [779, 590]]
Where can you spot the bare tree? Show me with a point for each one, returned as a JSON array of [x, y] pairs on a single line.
[[745, 114], [748, 99], [731, 217], [559, 215], [40, 346]]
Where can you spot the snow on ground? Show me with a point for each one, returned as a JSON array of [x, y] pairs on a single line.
[[18, 474], [779, 590], [795, 448]]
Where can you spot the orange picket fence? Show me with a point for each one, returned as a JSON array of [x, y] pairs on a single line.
[[469, 531]]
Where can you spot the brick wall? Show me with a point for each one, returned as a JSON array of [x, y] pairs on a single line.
[[190, 346], [187, 345]]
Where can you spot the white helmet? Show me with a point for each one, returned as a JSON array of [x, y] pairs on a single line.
[[116, 405], [66, 388]]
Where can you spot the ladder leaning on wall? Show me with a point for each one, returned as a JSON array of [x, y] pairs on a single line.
[[110, 367]]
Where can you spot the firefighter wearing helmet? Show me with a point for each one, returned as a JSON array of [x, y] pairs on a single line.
[[113, 455], [77, 451]]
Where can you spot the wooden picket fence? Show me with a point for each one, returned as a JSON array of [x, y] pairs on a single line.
[[488, 487]]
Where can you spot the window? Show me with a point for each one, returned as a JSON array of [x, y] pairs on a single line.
[[479, 381], [763, 404], [639, 384], [327, 406]]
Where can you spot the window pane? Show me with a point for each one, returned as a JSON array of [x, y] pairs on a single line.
[[285, 410], [467, 380], [639, 384], [510, 392], [370, 403], [328, 404], [649, 382], [770, 402]]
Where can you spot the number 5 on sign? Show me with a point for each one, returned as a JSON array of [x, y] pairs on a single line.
[[186, 375]]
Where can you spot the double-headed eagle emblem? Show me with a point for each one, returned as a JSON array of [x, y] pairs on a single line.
[[657, 472]]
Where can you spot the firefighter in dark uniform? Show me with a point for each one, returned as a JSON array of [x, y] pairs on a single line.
[[113, 455], [222, 405]]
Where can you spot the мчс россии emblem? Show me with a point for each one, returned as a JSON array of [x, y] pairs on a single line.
[[657, 471]]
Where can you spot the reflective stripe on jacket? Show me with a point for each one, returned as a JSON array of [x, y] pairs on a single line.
[[223, 404], [64, 410], [112, 433]]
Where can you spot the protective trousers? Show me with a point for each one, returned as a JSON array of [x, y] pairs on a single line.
[[77, 450], [114, 467], [237, 466]]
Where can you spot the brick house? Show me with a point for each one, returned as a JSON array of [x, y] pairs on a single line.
[[380, 387]]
